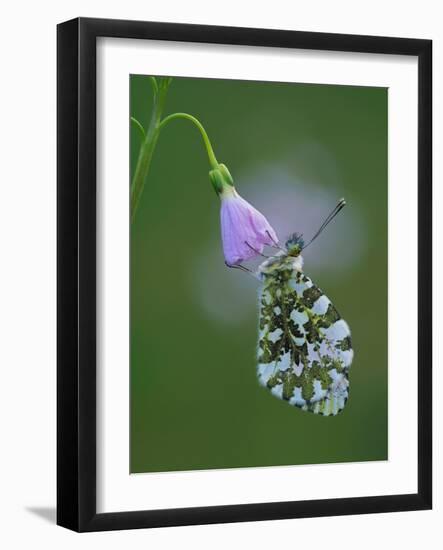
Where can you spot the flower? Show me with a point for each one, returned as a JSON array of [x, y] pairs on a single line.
[[245, 231]]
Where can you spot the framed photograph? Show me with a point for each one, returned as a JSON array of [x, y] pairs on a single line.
[[244, 274]]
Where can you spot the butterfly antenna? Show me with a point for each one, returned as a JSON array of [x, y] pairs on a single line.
[[341, 204]]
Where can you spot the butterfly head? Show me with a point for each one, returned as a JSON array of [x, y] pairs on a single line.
[[294, 245], [287, 259]]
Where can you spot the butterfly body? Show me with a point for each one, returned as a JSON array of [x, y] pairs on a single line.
[[304, 348]]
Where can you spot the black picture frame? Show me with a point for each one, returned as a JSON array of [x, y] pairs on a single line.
[[76, 274]]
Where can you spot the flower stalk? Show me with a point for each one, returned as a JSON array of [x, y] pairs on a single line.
[[219, 174], [245, 231], [211, 156], [160, 89]]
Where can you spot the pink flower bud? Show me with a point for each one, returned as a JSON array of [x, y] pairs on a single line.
[[245, 231]]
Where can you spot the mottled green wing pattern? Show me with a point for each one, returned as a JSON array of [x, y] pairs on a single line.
[[304, 349]]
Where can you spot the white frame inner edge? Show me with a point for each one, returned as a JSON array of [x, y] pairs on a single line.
[[117, 490]]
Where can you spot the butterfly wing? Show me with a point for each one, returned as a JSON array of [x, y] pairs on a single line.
[[304, 349]]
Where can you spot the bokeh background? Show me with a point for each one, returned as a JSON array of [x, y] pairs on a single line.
[[293, 150]]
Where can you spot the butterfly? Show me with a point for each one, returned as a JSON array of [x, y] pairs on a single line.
[[304, 346]]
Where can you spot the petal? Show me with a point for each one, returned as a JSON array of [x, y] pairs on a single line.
[[263, 230], [244, 229], [235, 233]]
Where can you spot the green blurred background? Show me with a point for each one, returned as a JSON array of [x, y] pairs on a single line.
[[293, 150]]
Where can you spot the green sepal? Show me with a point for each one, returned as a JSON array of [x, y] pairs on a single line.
[[226, 174], [221, 178]]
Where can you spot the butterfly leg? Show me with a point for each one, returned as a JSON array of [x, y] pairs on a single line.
[[243, 268], [255, 250], [275, 245]]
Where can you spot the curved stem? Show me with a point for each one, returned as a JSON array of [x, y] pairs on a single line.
[[139, 127], [212, 160]]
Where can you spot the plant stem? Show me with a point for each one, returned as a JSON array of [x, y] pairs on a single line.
[[212, 160], [149, 143], [160, 88]]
